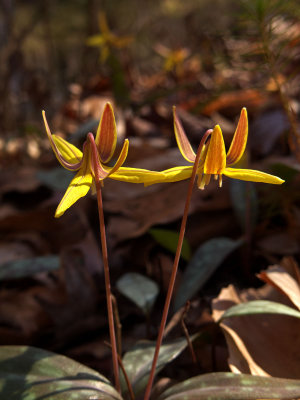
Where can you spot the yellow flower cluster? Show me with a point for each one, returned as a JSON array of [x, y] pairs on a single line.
[[213, 161]]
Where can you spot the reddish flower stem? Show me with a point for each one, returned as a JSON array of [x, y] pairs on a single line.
[[175, 267], [105, 263]]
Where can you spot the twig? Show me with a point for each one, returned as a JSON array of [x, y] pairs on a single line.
[[186, 332], [127, 380], [118, 324]]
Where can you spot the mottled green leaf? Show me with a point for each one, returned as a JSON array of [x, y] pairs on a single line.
[[260, 307], [29, 373], [228, 386], [29, 266], [139, 289], [203, 264], [138, 361], [169, 239]]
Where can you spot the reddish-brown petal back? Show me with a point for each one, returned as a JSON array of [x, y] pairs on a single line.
[[106, 137], [239, 140]]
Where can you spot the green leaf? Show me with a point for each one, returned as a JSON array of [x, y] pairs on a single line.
[[169, 239], [138, 361], [139, 289], [27, 267], [228, 386], [204, 263], [243, 195], [29, 373], [260, 307]]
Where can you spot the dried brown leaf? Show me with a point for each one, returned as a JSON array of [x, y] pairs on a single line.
[[262, 344]]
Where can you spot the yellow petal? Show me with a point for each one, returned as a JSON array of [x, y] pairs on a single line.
[[121, 159], [252, 175], [69, 152], [215, 160], [95, 40], [103, 23], [239, 140], [122, 41], [135, 175], [79, 186], [172, 175], [182, 141], [106, 137], [66, 153]]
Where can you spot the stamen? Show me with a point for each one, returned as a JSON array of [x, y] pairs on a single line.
[[220, 180], [201, 182], [207, 179]]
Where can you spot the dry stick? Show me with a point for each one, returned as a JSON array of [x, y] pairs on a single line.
[[186, 332], [127, 380], [105, 263], [175, 266], [118, 324]]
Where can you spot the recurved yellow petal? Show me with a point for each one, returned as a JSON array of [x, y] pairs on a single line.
[[252, 175], [69, 152], [121, 159], [95, 40], [122, 41], [239, 140], [172, 175], [182, 141], [79, 186], [103, 23], [106, 137], [215, 160], [136, 175], [61, 148]]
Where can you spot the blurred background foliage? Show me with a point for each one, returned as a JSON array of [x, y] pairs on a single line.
[[44, 49]]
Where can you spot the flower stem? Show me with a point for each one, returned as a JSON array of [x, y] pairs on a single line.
[[105, 264], [175, 267]]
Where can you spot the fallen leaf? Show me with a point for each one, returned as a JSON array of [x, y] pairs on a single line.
[[265, 345], [282, 281]]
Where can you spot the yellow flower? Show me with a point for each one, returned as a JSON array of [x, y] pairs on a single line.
[[106, 39], [214, 160], [73, 159], [173, 59]]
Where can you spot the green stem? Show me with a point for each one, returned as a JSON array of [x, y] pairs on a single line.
[[175, 267], [105, 264]]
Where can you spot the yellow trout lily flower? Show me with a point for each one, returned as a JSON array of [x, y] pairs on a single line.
[[107, 40], [214, 160], [71, 158]]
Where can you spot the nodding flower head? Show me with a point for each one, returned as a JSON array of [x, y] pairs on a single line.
[[73, 159], [214, 160]]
